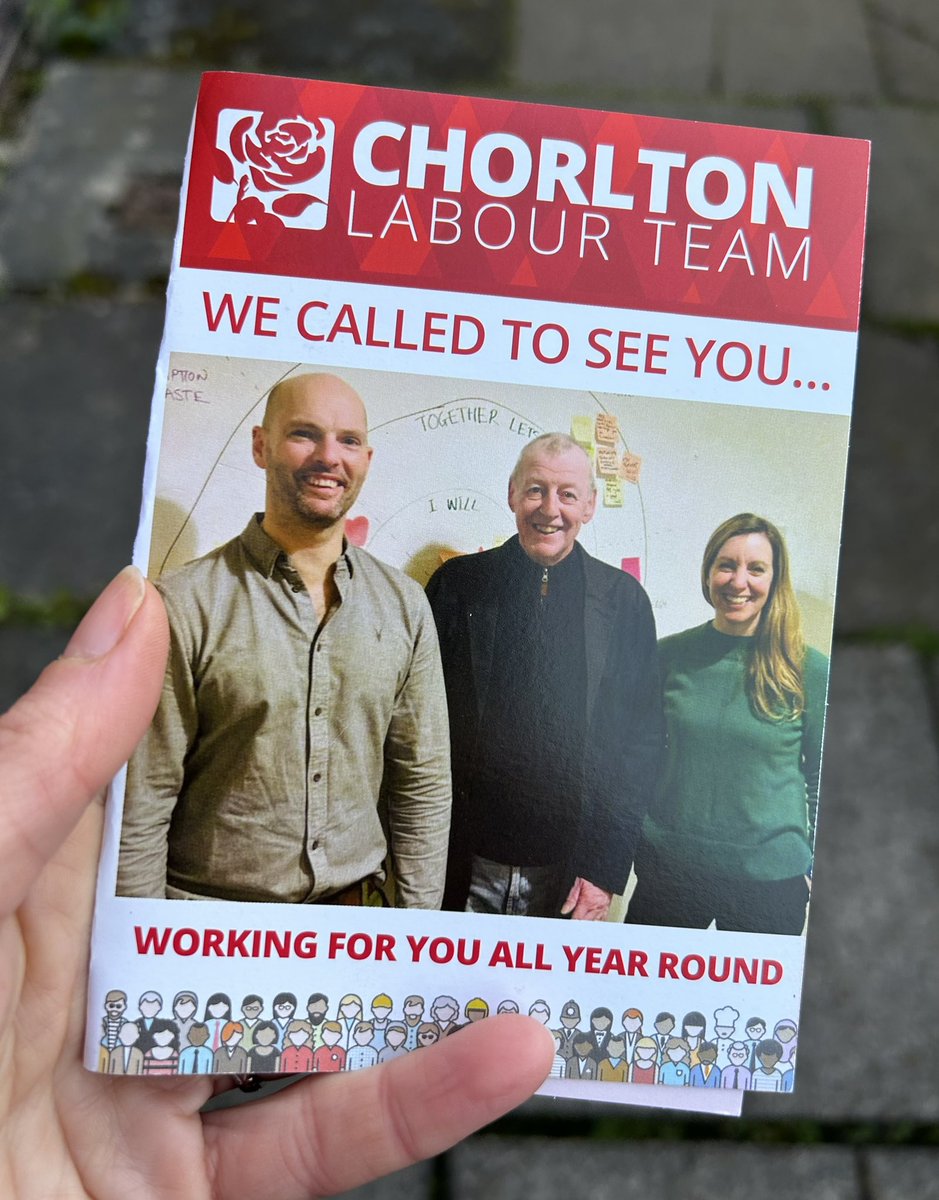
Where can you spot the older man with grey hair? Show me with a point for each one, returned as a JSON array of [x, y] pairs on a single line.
[[556, 723]]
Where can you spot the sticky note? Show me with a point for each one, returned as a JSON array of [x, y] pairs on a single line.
[[607, 462], [613, 493], [582, 431], [606, 428], [630, 466]]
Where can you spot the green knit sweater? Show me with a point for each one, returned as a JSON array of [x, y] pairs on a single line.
[[738, 794]]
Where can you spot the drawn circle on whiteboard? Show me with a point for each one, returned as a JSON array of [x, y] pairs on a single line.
[[432, 528], [438, 485]]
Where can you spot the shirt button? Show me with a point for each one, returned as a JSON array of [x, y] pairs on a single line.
[[314, 845], [317, 712], [317, 777]]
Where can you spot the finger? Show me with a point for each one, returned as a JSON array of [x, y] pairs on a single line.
[[573, 896], [338, 1131], [66, 738]]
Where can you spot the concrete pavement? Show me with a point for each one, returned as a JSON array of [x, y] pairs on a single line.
[[87, 206]]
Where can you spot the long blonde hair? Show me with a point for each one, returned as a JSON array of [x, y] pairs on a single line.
[[775, 685]]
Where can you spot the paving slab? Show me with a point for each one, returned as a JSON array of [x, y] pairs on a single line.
[[94, 185], [374, 41], [398, 42], [148, 27], [872, 972], [518, 1168], [902, 1174], [796, 48], [909, 63], [901, 277], [892, 501], [24, 652], [78, 379], [918, 16], [665, 47], [906, 34]]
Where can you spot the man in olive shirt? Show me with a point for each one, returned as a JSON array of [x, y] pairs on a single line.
[[303, 683]]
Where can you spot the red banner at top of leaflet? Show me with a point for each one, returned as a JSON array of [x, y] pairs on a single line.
[[341, 182]]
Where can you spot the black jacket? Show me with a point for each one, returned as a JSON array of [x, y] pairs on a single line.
[[624, 723]]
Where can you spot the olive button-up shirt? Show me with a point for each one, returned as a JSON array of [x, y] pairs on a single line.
[[277, 734]]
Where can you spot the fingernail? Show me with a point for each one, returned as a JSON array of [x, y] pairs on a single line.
[[104, 623]]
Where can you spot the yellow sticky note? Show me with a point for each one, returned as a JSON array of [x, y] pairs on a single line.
[[582, 431], [606, 428], [613, 493]]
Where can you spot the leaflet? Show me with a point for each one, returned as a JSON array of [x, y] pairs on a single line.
[[607, 364]]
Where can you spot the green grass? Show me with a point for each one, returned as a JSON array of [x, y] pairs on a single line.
[[61, 610]]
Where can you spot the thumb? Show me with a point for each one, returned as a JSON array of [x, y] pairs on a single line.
[[68, 736]]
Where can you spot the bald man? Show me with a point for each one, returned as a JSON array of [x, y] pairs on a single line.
[[303, 684]]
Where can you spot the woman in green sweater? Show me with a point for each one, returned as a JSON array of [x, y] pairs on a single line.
[[729, 835]]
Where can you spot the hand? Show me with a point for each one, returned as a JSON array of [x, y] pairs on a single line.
[[587, 902], [66, 1132]]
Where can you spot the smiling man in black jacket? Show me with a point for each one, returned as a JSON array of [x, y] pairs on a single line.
[[556, 725]]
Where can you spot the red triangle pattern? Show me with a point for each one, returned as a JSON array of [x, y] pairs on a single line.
[[341, 102], [231, 244], [398, 253], [524, 276], [827, 302]]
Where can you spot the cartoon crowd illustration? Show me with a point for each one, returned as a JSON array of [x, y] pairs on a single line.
[[732, 1053]]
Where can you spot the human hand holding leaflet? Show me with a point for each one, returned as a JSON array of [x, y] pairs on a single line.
[[67, 1132]]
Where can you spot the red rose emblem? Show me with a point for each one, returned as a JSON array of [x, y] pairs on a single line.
[[280, 156]]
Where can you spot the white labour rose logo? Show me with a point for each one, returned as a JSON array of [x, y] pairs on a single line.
[[272, 170]]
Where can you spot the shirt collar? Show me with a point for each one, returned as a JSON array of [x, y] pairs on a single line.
[[267, 555], [260, 547]]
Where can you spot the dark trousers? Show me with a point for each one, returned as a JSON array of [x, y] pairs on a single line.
[[692, 900]]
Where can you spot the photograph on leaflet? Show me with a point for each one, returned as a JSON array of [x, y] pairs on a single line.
[[605, 617]]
